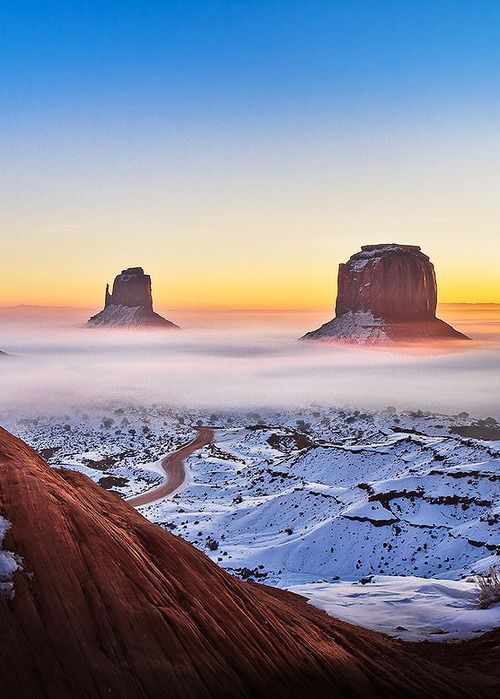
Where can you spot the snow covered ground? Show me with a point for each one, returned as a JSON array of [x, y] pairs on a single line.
[[9, 563], [313, 497], [410, 608], [358, 327]]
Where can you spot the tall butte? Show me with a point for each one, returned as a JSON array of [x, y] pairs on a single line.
[[131, 303], [386, 292]]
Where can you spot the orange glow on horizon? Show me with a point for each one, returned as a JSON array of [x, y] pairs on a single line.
[[271, 273], [280, 293], [214, 302]]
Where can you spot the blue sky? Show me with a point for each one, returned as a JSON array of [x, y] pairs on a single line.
[[226, 57], [243, 122]]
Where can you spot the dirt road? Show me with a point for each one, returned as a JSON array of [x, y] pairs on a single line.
[[175, 471]]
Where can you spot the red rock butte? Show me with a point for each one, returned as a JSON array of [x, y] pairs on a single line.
[[99, 602], [386, 292], [131, 303]]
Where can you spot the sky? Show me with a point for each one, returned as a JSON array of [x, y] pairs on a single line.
[[239, 150]]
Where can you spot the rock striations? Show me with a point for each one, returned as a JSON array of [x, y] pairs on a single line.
[[96, 601], [131, 303], [386, 292]]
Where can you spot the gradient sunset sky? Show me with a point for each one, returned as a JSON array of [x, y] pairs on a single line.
[[239, 151]]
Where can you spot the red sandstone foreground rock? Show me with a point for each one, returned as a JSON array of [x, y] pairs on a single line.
[[131, 303], [386, 292], [95, 601]]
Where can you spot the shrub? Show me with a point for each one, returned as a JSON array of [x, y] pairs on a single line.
[[489, 587]]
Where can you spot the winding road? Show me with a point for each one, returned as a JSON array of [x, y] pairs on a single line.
[[175, 471]]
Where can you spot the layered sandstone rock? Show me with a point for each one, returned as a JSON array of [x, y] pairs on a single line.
[[386, 292], [99, 602], [131, 303]]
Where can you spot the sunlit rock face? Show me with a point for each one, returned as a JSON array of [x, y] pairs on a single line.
[[386, 292], [131, 288], [131, 303]]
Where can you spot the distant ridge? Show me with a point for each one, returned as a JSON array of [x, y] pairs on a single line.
[[35, 307]]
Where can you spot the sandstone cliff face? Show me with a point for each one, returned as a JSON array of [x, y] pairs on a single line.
[[395, 282], [131, 303], [100, 602], [131, 288], [386, 292]]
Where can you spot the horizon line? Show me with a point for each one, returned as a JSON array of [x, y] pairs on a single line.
[[226, 309]]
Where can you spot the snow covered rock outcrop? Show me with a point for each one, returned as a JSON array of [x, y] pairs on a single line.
[[386, 292], [131, 303], [9, 563]]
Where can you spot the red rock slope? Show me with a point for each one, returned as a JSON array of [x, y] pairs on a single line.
[[109, 605]]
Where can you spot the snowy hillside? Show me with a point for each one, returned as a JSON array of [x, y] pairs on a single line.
[[301, 497]]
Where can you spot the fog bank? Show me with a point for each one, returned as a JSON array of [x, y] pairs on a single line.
[[245, 360]]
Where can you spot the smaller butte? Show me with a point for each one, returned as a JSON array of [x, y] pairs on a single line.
[[130, 305]]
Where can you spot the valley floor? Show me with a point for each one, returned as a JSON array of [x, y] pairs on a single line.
[[380, 518]]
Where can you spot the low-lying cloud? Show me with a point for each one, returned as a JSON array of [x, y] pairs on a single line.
[[53, 369]]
